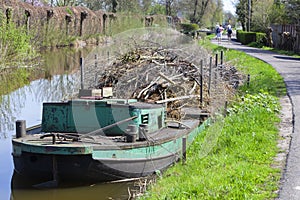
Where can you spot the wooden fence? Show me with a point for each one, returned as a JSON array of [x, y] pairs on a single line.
[[286, 37]]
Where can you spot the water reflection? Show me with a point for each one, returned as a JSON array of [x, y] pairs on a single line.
[[55, 81], [58, 79], [26, 102], [92, 192]]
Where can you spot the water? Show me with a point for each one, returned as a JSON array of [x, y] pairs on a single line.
[[58, 82], [94, 192]]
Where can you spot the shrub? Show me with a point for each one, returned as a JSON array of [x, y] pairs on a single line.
[[15, 44], [186, 27], [249, 37]]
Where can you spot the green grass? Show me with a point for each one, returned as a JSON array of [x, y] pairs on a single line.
[[263, 77], [233, 158], [289, 53]]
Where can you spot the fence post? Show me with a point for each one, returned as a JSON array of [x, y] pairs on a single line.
[[216, 69], [222, 57], [210, 72], [201, 83], [183, 150], [248, 80]]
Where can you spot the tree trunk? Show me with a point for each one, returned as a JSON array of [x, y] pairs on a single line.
[[195, 12], [168, 7]]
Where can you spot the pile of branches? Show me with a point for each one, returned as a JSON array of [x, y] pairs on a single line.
[[156, 73]]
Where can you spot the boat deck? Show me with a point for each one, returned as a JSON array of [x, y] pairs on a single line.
[[173, 131]]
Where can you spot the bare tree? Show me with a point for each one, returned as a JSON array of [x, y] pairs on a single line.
[[169, 7]]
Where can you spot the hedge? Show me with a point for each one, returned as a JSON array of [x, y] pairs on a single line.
[[248, 37]]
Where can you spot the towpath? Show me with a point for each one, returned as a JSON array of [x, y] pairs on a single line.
[[289, 68]]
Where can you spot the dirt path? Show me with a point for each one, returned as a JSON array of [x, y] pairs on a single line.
[[289, 157]]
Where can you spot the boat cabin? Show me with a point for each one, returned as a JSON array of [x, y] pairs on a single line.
[[87, 115]]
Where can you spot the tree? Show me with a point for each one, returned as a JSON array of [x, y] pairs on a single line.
[[195, 10], [292, 11], [242, 11], [261, 15], [277, 14], [169, 7], [266, 12]]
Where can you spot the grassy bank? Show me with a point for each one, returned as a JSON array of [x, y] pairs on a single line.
[[233, 158]]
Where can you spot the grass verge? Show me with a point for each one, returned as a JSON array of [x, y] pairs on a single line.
[[233, 158]]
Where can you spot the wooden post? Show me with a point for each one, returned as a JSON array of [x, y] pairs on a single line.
[[225, 108], [82, 73], [183, 150], [222, 57], [248, 80], [201, 83], [216, 69], [210, 70], [96, 61], [20, 128], [27, 20]]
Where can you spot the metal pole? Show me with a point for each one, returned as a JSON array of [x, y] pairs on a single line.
[[96, 75], [82, 73]]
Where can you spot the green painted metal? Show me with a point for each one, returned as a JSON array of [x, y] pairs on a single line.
[[160, 150], [150, 151], [83, 116], [19, 147]]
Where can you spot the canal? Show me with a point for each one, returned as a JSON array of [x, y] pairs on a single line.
[[57, 81]]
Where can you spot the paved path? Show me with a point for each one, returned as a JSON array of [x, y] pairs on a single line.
[[289, 69]]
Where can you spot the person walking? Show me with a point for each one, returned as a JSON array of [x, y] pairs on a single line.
[[219, 32], [229, 32]]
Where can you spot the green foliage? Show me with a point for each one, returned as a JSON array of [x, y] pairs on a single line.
[[53, 37], [187, 27], [124, 22], [156, 9], [250, 102], [260, 40], [247, 37], [13, 79], [292, 8], [14, 45], [69, 11], [127, 21]]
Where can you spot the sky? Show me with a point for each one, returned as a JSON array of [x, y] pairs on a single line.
[[229, 5]]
